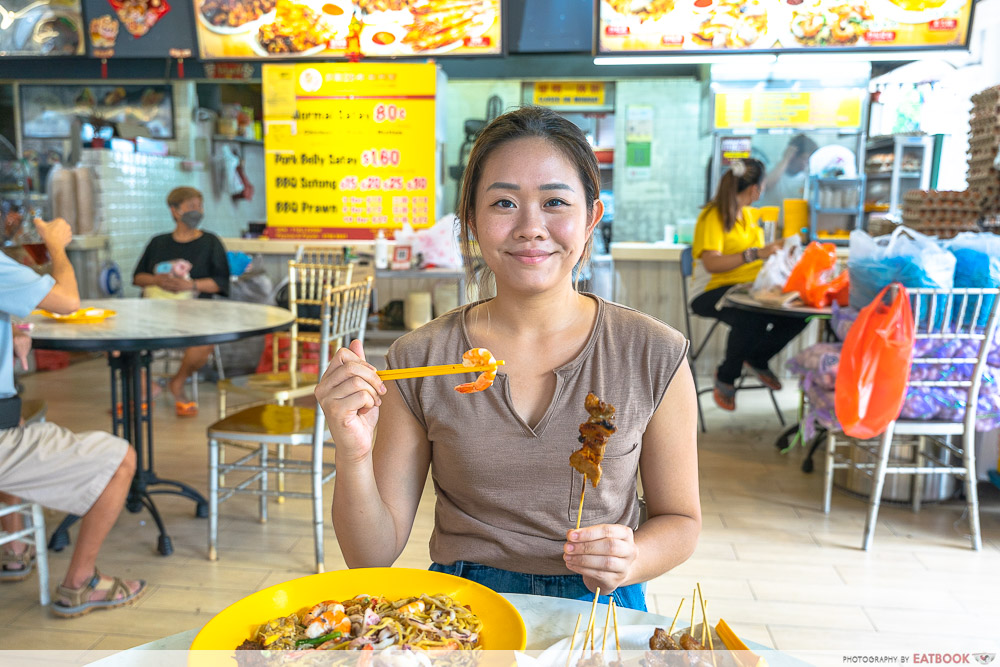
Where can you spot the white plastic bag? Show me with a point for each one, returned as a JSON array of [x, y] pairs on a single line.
[[774, 274], [438, 245], [905, 256]]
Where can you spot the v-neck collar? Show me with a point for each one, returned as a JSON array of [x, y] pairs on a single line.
[[561, 372]]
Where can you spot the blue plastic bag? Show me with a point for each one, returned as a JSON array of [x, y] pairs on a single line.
[[905, 256], [977, 264]]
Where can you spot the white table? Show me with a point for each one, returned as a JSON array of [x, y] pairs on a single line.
[[141, 326]]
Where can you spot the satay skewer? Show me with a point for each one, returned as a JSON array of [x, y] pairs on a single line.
[[590, 623], [694, 599], [572, 639], [607, 616], [676, 614], [579, 511], [704, 625], [614, 617]]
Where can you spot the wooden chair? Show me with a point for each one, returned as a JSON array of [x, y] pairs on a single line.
[[286, 381], [33, 532], [344, 311], [963, 319]]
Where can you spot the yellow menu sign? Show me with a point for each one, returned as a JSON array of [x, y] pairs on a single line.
[[798, 110], [569, 93], [349, 148]]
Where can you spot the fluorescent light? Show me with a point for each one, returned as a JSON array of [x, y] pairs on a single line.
[[750, 59]]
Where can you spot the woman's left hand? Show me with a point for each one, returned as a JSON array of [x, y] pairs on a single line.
[[603, 554]]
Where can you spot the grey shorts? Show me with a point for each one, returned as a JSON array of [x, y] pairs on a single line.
[[52, 466]]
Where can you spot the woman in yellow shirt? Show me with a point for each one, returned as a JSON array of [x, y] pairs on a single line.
[[729, 245]]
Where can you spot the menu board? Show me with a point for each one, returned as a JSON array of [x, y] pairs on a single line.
[[780, 25], [138, 28], [830, 108], [290, 29], [349, 148], [41, 28]]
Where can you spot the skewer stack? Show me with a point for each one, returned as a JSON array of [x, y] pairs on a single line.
[[984, 147], [941, 213]]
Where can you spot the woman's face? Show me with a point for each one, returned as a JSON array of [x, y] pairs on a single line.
[[531, 217]]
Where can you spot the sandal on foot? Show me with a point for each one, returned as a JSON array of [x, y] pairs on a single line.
[[17, 567], [724, 395], [766, 377], [72, 602], [186, 409]]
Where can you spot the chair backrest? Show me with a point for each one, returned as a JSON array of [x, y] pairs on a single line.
[[306, 284], [687, 269], [954, 331], [319, 255], [348, 315]]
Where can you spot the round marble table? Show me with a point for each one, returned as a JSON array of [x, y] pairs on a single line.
[[140, 327]]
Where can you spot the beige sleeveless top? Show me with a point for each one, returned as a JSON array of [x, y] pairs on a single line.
[[506, 494]]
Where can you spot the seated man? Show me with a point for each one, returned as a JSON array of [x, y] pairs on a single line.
[[185, 263], [86, 474]]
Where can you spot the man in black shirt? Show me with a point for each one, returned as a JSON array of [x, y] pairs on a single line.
[[157, 273]]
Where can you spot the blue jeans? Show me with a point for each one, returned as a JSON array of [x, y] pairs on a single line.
[[558, 585]]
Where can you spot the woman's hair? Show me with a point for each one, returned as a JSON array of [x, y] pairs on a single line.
[[742, 174], [524, 122]]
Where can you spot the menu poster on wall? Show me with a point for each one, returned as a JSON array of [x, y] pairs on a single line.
[[291, 29], [781, 25], [139, 28], [349, 148], [41, 28], [818, 109]]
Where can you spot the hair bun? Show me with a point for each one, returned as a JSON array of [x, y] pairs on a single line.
[[738, 167]]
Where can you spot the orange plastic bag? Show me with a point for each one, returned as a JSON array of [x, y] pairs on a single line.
[[810, 277], [874, 365]]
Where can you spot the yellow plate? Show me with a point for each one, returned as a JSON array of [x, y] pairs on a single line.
[[503, 627], [82, 316]]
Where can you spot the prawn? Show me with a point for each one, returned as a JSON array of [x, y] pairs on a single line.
[[478, 356], [324, 618]]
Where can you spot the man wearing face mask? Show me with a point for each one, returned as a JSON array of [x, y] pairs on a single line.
[[157, 273]]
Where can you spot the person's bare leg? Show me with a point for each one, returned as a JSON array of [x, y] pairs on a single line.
[[194, 359], [96, 524], [12, 523]]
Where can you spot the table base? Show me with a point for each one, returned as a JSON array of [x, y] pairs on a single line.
[[129, 371]]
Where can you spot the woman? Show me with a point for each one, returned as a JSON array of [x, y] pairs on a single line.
[[506, 496], [729, 244]]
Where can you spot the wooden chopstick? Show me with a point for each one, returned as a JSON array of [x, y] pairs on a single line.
[[427, 371]]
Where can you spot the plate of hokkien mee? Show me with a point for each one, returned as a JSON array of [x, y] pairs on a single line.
[[326, 618]]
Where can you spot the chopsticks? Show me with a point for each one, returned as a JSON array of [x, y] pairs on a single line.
[[427, 371]]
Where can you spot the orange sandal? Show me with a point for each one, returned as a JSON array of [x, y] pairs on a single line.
[[188, 409]]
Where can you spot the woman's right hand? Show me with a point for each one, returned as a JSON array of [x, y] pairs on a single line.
[[56, 234], [769, 249], [349, 394]]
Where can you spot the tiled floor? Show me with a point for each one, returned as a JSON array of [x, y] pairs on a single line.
[[769, 561]]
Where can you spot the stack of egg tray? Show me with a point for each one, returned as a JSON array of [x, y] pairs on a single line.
[[941, 213], [984, 153]]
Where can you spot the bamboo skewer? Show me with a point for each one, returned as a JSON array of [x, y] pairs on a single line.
[[704, 625], [427, 371], [572, 639], [579, 512], [676, 614], [590, 623], [614, 617], [694, 598], [607, 616]]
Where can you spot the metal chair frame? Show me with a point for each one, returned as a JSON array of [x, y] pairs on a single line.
[[306, 282], [954, 459], [694, 352], [33, 532], [344, 311]]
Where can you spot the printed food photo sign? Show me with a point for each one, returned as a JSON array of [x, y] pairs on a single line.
[[290, 29], [139, 28], [781, 25], [41, 28]]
